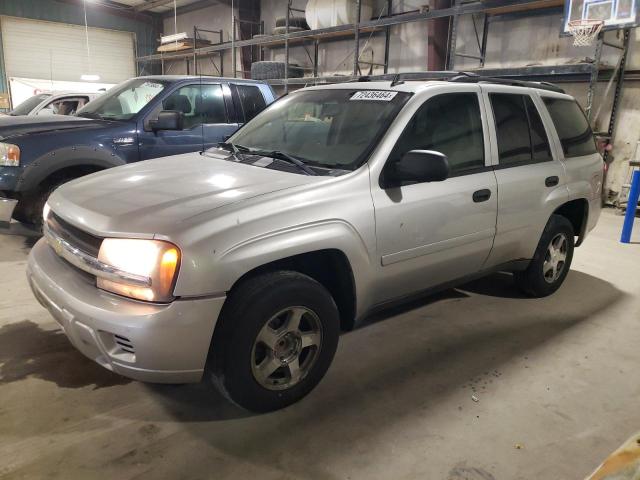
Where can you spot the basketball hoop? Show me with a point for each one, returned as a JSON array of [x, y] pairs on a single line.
[[584, 31]]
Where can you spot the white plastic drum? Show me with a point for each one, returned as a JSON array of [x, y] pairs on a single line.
[[330, 13]]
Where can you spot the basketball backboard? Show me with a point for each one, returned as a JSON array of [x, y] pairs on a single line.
[[615, 13]]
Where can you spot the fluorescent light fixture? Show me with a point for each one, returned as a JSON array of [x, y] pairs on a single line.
[[173, 38], [89, 78]]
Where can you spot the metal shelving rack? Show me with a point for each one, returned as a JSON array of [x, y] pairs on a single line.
[[581, 72]]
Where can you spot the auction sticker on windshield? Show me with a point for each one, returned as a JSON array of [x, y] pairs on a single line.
[[377, 95]]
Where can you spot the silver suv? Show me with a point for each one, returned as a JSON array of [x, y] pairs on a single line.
[[242, 263]]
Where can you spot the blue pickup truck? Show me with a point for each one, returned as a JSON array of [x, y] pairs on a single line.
[[140, 119]]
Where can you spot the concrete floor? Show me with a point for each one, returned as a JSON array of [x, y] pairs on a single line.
[[557, 377]]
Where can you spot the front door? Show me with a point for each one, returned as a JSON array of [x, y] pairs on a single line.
[[206, 122], [432, 233]]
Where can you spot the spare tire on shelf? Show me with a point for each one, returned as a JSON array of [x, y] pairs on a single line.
[[281, 30], [267, 70], [299, 22]]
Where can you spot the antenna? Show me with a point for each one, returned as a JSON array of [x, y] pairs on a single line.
[[203, 113]]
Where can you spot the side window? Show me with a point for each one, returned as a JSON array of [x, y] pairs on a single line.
[[451, 124], [572, 126], [251, 100], [520, 131], [199, 104], [512, 128], [539, 140]]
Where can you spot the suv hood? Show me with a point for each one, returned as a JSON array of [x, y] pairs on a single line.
[[164, 195], [12, 126]]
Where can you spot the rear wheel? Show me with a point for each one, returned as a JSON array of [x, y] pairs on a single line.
[[551, 261], [276, 339]]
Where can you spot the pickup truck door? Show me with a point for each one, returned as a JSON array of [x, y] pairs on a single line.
[[208, 119], [531, 177], [432, 233]]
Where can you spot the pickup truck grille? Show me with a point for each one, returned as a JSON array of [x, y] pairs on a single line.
[[77, 238]]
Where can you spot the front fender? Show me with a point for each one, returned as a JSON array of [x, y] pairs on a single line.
[[217, 273], [65, 157]]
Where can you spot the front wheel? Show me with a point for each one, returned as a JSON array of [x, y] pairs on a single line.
[[551, 261], [277, 337]]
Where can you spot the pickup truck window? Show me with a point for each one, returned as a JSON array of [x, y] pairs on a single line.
[[199, 104], [572, 126], [124, 101], [521, 136], [29, 104], [251, 100], [333, 128], [451, 124]]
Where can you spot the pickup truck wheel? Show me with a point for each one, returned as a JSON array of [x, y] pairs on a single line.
[[30, 207], [278, 335], [552, 260]]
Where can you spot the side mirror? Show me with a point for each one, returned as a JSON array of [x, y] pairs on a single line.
[[167, 120], [417, 166], [45, 112]]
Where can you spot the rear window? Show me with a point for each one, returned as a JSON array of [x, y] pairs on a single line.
[[572, 126], [251, 100]]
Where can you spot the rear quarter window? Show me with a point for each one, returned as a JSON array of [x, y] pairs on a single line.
[[572, 126]]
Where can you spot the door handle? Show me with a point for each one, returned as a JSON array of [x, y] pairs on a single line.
[[481, 195], [551, 181]]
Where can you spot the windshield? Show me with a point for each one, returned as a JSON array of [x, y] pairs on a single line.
[[123, 101], [29, 104], [325, 128]]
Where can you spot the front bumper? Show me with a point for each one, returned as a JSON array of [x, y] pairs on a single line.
[[148, 342]]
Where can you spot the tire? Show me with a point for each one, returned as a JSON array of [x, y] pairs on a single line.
[[540, 279], [267, 70], [283, 30], [299, 22], [258, 313], [29, 209]]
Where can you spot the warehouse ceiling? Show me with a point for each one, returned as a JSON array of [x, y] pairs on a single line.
[[157, 6]]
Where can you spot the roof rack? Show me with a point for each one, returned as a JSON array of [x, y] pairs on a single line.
[[461, 77], [467, 77]]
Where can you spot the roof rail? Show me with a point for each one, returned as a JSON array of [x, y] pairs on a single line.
[[461, 77], [467, 77]]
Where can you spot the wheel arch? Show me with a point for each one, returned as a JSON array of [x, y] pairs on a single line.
[[577, 212], [330, 267]]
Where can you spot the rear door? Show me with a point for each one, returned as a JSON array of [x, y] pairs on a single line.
[[205, 109], [577, 149], [531, 177]]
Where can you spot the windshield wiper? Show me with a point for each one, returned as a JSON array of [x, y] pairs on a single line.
[[286, 157], [234, 149]]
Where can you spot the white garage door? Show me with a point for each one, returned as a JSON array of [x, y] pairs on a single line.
[[42, 50]]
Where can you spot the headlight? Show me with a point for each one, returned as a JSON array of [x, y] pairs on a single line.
[[9, 155], [156, 260]]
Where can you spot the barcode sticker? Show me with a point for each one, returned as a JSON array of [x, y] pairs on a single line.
[[376, 95]]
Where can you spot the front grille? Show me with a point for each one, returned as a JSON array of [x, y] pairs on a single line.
[[77, 238]]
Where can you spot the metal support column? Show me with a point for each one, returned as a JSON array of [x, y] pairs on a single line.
[[617, 95], [233, 46], [485, 36], [286, 49], [593, 78], [221, 55], [195, 55], [316, 44], [387, 37], [451, 51], [356, 42]]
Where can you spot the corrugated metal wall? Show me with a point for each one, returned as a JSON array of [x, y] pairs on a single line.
[[147, 28]]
